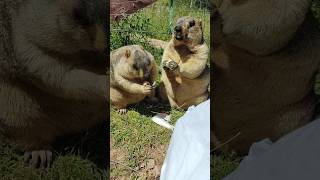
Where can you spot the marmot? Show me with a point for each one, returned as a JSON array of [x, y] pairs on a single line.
[[185, 76], [133, 72], [265, 62], [53, 78]]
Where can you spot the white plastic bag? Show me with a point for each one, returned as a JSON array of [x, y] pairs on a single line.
[[295, 156], [188, 156]]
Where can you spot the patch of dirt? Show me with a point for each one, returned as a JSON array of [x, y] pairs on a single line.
[[149, 168], [120, 7], [117, 155]]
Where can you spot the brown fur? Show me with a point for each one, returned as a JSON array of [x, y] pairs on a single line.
[[185, 76], [55, 81], [265, 60], [129, 85]]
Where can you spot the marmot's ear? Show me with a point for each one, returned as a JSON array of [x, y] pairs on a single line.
[[128, 53]]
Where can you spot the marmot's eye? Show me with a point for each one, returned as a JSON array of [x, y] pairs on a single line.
[[192, 23]]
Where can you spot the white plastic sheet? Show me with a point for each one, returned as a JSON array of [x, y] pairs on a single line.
[[296, 156], [188, 156]]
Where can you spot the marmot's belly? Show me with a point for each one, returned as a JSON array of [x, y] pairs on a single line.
[[256, 113], [188, 91]]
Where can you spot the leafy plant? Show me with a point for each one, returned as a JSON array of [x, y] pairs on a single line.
[[133, 29]]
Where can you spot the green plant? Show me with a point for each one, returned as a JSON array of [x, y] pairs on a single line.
[[133, 29]]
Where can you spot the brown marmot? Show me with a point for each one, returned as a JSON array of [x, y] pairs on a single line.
[[265, 59], [133, 72], [185, 76], [53, 78]]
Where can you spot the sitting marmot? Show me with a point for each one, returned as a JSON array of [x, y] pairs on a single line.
[[133, 72], [52, 71]]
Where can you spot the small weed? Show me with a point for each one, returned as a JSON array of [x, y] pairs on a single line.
[[223, 165]]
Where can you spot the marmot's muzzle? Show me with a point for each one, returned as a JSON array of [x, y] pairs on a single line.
[[178, 33]]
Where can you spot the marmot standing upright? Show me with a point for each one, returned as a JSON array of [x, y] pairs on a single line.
[[185, 76]]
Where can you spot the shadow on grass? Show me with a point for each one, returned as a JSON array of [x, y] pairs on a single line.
[[150, 109]]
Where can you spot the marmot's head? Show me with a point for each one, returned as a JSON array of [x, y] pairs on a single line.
[[188, 31], [140, 63], [89, 21]]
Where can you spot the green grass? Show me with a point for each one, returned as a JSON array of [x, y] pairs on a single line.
[[135, 139], [222, 165], [66, 167]]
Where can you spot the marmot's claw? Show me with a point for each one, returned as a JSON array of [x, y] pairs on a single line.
[[154, 85], [41, 158], [122, 111]]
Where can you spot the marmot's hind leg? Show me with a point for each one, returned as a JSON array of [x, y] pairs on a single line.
[[22, 121], [161, 93], [118, 101], [40, 158], [201, 98], [196, 100], [36, 141]]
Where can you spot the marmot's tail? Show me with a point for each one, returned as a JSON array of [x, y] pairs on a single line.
[[156, 43]]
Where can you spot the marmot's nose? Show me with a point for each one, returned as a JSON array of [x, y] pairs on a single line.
[[178, 28]]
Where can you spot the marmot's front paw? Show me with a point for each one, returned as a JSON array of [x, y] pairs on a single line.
[[147, 88], [171, 65]]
